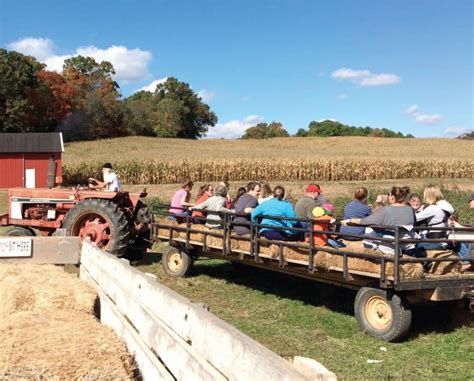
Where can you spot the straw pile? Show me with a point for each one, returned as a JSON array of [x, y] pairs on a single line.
[[48, 330]]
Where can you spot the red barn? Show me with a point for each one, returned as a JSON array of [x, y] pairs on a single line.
[[24, 158]]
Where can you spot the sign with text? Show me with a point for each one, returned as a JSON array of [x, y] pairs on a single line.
[[15, 247]]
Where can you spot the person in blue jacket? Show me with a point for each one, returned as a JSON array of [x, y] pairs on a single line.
[[276, 206]]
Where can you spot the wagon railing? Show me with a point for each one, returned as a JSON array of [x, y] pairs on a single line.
[[225, 231]]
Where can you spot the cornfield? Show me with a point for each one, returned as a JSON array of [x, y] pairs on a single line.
[[168, 172]]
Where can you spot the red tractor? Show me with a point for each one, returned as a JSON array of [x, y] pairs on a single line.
[[115, 221]]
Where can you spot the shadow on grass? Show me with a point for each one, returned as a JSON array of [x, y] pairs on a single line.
[[281, 285]]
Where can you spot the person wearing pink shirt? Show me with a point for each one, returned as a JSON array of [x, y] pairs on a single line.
[[180, 201]]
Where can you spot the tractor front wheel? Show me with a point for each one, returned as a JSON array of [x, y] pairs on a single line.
[[20, 231], [102, 221]]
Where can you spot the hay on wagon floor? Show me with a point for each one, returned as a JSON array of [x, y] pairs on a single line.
[[48, 330]]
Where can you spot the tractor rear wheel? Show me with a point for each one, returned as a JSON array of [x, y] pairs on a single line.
[[100, 220], [19, 231]]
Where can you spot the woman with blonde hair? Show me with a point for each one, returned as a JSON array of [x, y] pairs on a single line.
[[435, 214]]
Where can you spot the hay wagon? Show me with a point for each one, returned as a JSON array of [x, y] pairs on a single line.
[[387, 285]]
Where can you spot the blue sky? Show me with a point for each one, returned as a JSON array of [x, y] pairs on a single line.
[[404, 65]]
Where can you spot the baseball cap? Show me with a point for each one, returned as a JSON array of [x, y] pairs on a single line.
[[107, 165], [313, 188]]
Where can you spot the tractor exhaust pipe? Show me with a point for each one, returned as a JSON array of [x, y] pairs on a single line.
[[51, 177]]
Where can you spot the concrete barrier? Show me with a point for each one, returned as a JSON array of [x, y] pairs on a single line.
[[172, 338]]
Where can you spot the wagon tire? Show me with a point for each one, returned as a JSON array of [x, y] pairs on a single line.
[[382, 314], [20, 231], [102, 221], [176, 263]]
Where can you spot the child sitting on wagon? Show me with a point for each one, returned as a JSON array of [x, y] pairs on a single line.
[[324, 221]]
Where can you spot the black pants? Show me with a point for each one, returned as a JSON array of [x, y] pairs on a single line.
[[275, 235]]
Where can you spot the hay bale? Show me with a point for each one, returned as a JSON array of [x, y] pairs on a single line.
[[407, 270], [237, 244], [60, 344], [165, 232], [324, 261], [444, 268], [27, 287]]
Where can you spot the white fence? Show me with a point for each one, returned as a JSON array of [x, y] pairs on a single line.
[[174, 339]]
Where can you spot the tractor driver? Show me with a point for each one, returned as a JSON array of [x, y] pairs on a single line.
[[111, 182]]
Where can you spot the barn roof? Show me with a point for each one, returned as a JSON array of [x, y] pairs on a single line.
[[31, 142]]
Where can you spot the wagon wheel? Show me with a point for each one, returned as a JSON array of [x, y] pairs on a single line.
[[176, 263], [382, 314], [102, 222]]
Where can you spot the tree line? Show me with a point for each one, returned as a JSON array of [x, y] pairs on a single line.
[[84, 102], [323, 128]]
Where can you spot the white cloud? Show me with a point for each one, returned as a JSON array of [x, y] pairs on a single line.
[[129, 64], [412, 110], [206, 95], [420, 117], [41, 48], [428, 118], [341, 97], [55, 63], [349, 73], [454, 132], [152, 86], [233, 129], [380, 79], [329, 119], [365, 77]]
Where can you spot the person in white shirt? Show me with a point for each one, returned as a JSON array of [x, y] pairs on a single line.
[[436, 213], [111, 182]]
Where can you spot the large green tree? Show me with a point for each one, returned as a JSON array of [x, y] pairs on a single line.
[[140, 109], [195, 116], [172, 110], [17, 80]]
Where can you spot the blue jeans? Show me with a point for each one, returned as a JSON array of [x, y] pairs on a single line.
[[431, 246], [463, 252]]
